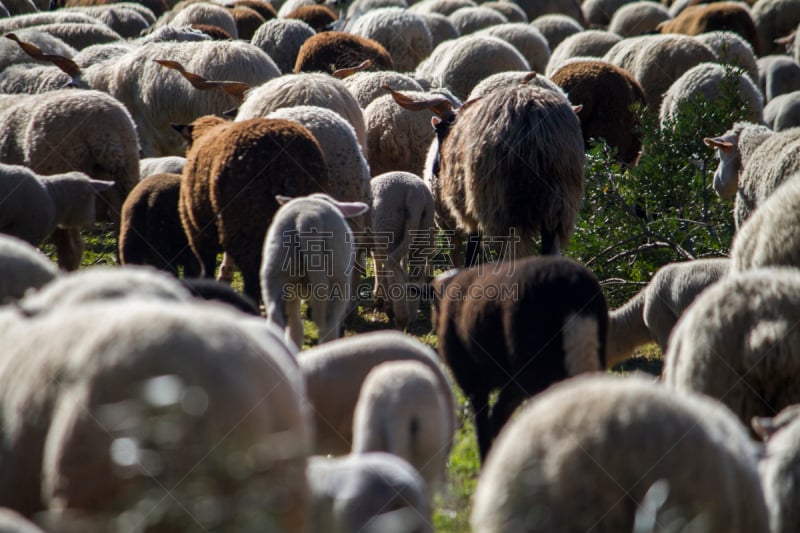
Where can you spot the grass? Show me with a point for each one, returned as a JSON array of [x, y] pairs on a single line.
[[452, 505]]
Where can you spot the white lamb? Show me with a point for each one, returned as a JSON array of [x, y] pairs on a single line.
[[22, 267], [33, 206], [335, 371], [367, 492], [612, 454], [403, 411], [402, 223], [309, 254]]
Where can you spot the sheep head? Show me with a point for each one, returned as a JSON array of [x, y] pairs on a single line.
[[726, 179]]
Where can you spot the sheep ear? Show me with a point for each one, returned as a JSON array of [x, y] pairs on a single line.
[[786, 41], [281, 199], [718, 142], [577, 109], [435, 121], [100, 185], [351, 209], [185, 130]]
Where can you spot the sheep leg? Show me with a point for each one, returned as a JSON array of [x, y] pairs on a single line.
[[509, 399], [480, 404], [472, 253], [226, 269], [294, 321], [69, 247]]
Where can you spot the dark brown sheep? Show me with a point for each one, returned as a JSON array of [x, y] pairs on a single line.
[[233, 172], [264, 9], [215, 32], [151, 232], [518, 327], [317, 16], [333, 50], [717, 16], [247, 21], [606, 94]]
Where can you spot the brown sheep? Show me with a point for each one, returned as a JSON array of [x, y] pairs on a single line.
[[264, 9], [247, 21], [332, 50], [606, 94], [316, 16], [215, 32], [717, 16], [233, 172], [151, 232]]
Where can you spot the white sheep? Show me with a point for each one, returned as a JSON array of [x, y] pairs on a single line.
[[453, 63], [512, 78], [440, 27], [309, 253], [402, 223], [444, 7], [774, 19], [348, 171], [157, 97], [598, 13], [102, 378], [11, 53], [768, 237], [706, 79], [48, 17], [80, 35], [404, 34], [637, 18], [556, 27], [128, 19], [656, 61], [368, 85], [307, 88], [172, 164], [207, 13], [780, 467], [738, 342], [606, 453], [281, 39], [783, 111], [511, 11], [367, 492], [526, 39], [402, 410], [22, 267], [470, 19], [588, 43], [335, 371], [777, 74], [653, 312], [34, 206], [753, 161], [732, 49]]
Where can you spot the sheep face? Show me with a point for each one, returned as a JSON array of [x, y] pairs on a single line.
[[726, 177]]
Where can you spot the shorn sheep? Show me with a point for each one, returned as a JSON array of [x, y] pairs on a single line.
[[652, 313], [22, 267], [783, 111], [780, 467], [777, 74], [86, 387], [334, 372], [309, 254], [738, 342], [367, 492], [33, 206], [404, 233], [613, 454], [151, 232], [480, 149], [753, 161], [403, 411], [768, 237], [233, 172], [517, 327]]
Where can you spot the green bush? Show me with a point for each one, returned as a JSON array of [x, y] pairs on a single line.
[[635, 220]]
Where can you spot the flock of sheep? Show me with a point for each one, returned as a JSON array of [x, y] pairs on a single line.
[[296, 138]]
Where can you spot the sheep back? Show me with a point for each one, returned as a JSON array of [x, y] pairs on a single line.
[[331, 50], [476, 165], [606, 94], [703, 18]]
